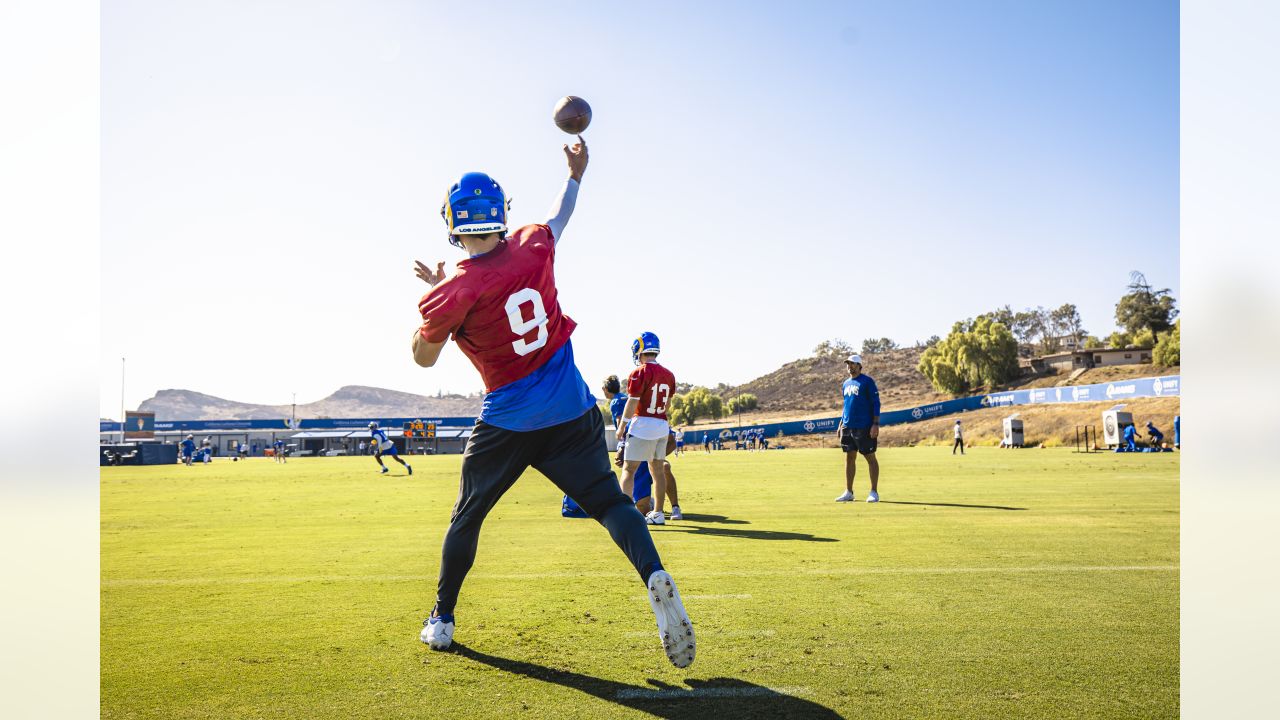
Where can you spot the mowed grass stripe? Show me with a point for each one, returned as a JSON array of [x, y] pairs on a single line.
[[144, 582], [313, 578]]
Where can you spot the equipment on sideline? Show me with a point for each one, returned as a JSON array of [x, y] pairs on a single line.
[[572, 114], [646, 343], [475, 205], [1012, 436], [1082, 435]]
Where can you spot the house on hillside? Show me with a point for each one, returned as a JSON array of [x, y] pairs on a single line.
[[1065, 362]]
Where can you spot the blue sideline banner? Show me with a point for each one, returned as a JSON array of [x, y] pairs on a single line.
[[1166, 386], [283, 424]]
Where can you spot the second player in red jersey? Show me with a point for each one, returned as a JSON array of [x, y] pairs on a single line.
[[653, 385], [644, 427]]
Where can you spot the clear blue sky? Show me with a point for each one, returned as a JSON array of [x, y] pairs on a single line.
[[762, 177]]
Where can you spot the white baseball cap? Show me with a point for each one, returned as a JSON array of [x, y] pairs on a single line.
[[854, 359]]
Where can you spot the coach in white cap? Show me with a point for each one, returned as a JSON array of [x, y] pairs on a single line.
[[859, 428]]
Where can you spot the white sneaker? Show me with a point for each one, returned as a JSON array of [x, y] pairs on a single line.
[[674, 627], [437, 633], [846, 497], [873, 496], [675, 513], [655, 518]]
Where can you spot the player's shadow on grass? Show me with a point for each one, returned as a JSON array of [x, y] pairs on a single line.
[[744, 534], [959, 505], [696, 517], [727, 697]]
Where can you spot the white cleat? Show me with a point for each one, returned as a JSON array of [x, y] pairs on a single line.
[[846, 497], [675, 513], [873, 496], [655, 518], [437, 633], [674, 627]]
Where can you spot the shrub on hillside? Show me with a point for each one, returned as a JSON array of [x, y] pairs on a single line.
[[1168, 351]]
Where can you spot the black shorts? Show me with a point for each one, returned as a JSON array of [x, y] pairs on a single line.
[[572, 455], [857, 440]]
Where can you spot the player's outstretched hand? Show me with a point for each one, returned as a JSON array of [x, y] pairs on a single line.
[[424, 272], [577, 157], [618, 460]]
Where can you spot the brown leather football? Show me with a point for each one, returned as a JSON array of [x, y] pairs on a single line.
[[572, 114]]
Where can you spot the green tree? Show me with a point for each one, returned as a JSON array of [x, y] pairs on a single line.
[[1066, 321], [699, 402], [1168, 351], [1143, 307], [742, 403], [1093, 341], [871, 346], [1119, 339], [977, 353], [1144, 338]]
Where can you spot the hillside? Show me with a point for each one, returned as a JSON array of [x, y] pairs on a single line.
[[348, 401], [810, 387]]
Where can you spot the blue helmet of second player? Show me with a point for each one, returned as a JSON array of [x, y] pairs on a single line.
[[475, 205], [645, 344]]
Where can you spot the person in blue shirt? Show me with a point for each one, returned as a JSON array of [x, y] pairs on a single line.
[[278, 447], [1131, 432], [859, 428], [1156, 436], [1177, 431], [188, 449], [383, 446]]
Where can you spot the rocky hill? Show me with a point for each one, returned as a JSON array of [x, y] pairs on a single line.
[[349, 401], [812, 384]]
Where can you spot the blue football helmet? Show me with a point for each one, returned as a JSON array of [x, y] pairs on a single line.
[[475, 205], [646, 343]]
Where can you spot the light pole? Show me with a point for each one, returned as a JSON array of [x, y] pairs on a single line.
[[293, 416], [121, 401]]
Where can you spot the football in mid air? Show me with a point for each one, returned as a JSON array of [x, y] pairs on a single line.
[[572, 114]]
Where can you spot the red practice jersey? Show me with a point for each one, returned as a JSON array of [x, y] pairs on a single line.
[[653, 385], [502, 308]]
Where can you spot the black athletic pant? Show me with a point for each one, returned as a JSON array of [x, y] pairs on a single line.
[[958, 444], [574, 457]]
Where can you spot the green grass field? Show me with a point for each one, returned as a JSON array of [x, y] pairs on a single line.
[[1032, 583]]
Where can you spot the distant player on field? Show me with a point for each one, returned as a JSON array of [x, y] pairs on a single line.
[[279, 453], [1130, 435], [959, 443], [502, 308], [679, 443], [859, 428], [188, 449], [644, 420], [1157, 437], [383, 446]]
